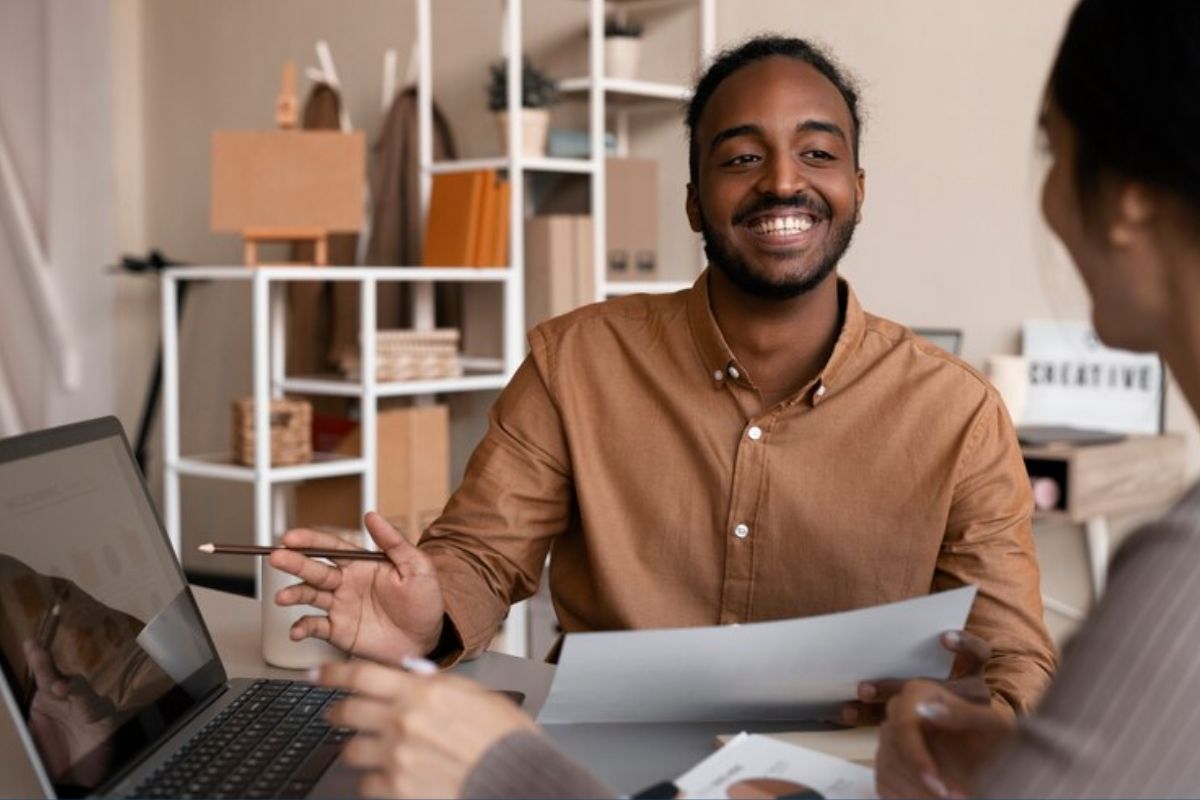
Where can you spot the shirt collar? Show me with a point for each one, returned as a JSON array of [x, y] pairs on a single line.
[[718, 360]]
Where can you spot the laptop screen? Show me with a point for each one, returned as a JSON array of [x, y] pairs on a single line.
[[100, 641]]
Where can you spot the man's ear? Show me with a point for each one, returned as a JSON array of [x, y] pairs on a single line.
[[1134, 207], [860, 189], [691, 205]]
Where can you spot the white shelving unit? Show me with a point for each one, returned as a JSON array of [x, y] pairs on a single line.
[[269, 312]]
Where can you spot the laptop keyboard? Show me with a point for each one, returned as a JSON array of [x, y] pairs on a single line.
[[272, 741]]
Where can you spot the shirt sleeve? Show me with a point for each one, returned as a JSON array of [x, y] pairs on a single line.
[[1121, 719], [524, 764], [989, 543], [490, 543]]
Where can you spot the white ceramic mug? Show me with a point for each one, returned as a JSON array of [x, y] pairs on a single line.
[[1010, 375], [278, 649]]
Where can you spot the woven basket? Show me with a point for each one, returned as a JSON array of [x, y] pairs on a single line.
[[406, 355], [291, 431]]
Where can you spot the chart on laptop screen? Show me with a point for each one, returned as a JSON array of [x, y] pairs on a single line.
[[91, 597]]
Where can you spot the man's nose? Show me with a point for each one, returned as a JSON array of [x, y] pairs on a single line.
[[782, 177]]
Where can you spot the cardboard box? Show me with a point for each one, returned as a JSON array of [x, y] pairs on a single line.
[[558, 266], [632, 205], [413, 475]]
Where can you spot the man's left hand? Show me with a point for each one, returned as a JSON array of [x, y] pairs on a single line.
[[971, 655]]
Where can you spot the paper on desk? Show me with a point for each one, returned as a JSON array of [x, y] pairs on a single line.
[[795, 669], [757, 766]]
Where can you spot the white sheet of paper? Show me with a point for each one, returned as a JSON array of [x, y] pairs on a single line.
[[758, 766], [796, 669]]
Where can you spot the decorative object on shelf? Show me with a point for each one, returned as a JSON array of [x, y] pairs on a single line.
[[538, 92], [291, 431], [622, 48], [287, 185], [409, 355], [413, 478], [467, 225], [570, 143], [1075, 380]]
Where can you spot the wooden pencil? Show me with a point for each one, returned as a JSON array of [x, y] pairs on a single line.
[[312, 552]]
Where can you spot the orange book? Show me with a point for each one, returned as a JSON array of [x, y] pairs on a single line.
[[485, 224], [499, 255], [452, 225]]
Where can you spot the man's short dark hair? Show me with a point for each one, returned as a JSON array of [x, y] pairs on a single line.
[[733, 59]]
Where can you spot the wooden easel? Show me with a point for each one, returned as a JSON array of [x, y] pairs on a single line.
[[286, 106], [252, 237]]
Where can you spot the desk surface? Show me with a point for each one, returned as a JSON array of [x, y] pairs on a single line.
[[628, 757]]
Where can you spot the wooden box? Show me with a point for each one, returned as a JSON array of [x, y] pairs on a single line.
[[291, 431], [413, 474], [1132, 475]]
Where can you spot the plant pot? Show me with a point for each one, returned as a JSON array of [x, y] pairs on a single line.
[[534, 124], [621, 56]]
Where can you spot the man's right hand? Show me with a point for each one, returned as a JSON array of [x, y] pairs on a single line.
[[383, 610]]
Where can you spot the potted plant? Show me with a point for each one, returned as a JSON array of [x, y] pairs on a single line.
[[622, 47], [538, 92]]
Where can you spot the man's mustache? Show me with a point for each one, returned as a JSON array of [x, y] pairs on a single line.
[[801, 201]]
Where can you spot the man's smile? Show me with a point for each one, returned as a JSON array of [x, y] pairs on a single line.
[[782, 228]]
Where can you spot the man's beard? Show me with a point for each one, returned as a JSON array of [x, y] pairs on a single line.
[[722, 256]]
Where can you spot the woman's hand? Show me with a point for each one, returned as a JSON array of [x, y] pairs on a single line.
[[418, 735], [934, 742]]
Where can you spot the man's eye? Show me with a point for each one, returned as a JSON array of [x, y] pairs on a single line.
[[819, 155], [742, 160]]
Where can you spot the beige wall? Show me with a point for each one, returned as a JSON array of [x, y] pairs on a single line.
[[951, 235]]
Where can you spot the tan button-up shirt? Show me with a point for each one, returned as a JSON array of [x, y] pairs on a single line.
[[634, 449]]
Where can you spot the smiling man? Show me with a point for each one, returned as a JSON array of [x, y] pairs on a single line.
[[754, 448]]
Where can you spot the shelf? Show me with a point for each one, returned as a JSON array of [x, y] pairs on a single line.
[[342, 387], [222, 467], [623, 91], [614, 288], [384, 274], [538, 164]]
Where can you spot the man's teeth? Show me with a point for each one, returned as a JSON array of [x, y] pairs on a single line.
[[782, 225]]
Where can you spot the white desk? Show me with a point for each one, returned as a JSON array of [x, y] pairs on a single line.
[[628, 757]]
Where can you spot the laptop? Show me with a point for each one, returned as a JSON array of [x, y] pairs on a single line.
[[112, 686]]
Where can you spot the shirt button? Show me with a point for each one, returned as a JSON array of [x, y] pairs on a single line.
[[742, 530], [821, 390], [754, 433], [718, 376], [733, 372]]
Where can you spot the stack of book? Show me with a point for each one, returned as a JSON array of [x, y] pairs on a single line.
[[407, 355], [467, 224]]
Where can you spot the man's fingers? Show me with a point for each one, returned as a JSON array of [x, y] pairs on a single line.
[[320, 540], [314, 626], [304, 595], [311, 571], [368, 679], [879, 691], [407, 558], [907, 718], [855, 713], [972, 653]]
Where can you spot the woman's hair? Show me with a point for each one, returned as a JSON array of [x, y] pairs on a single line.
[[1127, 79]]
